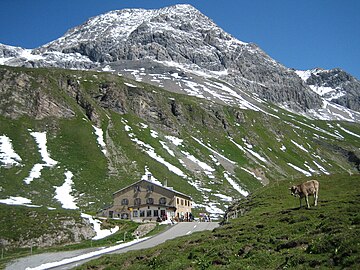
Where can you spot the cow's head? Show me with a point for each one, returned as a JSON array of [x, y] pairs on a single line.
[[294, 191]]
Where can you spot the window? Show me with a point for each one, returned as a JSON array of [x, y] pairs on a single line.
[[156, 213], [137, 188], [135, 213], [142, 213], [148, 213], [124, 216], [149, 201], [137, 201], [162, 213], [124, 202], [177, 200], [162, 201], [182, 202], [150, 188]]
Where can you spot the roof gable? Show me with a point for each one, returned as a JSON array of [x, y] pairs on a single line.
[[150, 182]]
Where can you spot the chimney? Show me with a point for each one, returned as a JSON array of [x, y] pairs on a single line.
[[149, 177], [165, 183]]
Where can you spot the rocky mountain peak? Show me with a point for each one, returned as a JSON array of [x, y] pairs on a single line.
[[178, 33], [141, 44]]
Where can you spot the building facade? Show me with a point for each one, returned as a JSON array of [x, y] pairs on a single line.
[[146, 200]]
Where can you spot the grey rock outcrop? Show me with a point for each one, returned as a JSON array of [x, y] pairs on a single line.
[[21, 95], [335, 85]]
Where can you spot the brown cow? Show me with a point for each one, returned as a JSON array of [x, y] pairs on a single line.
[[305, 189]]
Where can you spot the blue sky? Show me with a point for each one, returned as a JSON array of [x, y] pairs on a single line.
[[299, 34]]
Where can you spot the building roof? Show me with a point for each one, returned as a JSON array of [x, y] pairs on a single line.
[[153, 183]]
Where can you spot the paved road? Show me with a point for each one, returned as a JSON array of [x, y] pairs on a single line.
[[63, 258]]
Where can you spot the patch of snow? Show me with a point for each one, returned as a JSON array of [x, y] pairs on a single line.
[[248, 145], [40, 138], [176, 141], [323, 90], [151, 152], [7, 154], [299, 169], [300, 146], [213, 151], [348, 131], [213, 208], [63, 193], [26, 53], [304, 74], [217, 163], [311, 170], [207, 169], [154, 134], [210, 207], [224, 197], [107, 68], [235, 185], [321, 168], [164, 145], [258, 156], [283, 148], [130, 85], [100, 234], [142, 125], [18, 201], [100, 139]]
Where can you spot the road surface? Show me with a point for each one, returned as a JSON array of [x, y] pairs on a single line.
[[71, 259]]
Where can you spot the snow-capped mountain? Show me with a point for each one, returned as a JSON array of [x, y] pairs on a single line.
[[182, 50], [334, 85]]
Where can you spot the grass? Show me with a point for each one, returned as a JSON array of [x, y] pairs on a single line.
[[273, 233], [72, 142]]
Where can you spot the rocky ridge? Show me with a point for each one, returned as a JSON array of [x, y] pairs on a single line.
[[177, 37], [334, 85]]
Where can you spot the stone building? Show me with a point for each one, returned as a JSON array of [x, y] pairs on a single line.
[[146, 200]]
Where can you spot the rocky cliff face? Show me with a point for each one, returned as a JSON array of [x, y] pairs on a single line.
[[334, 85], [21, 94]]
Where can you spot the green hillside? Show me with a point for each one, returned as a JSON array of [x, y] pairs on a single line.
[[273, 233], [225, 152]]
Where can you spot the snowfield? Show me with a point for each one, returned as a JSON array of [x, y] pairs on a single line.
[[7, 154], [17, 200], [100, 139], [40, 139], [63, 193]]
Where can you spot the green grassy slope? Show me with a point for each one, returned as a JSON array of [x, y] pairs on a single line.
[[273, 233], [257, 148]]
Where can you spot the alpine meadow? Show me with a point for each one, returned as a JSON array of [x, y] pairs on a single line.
[[168, 93]]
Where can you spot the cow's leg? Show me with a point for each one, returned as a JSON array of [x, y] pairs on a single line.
[[307, 201], [315, 198]]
